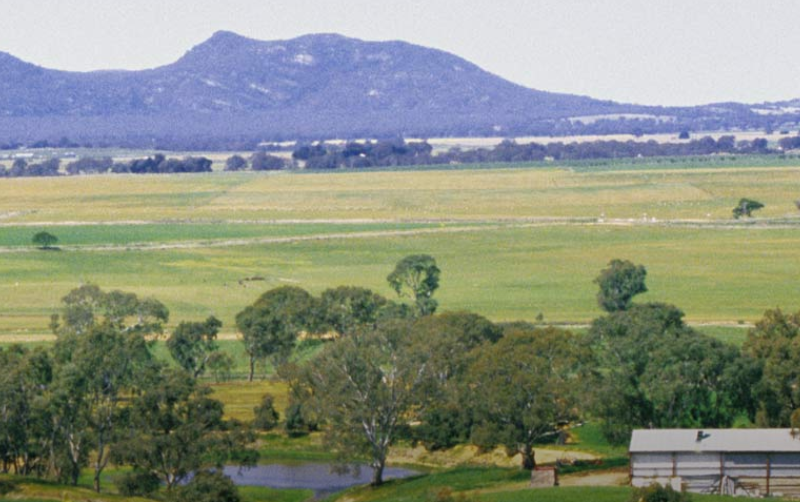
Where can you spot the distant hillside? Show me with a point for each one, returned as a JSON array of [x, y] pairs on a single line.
[[234, 89]]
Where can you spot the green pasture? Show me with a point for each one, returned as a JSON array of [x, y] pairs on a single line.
[[166, 233], [36, 490], [490, 485], [491, 264], [502, 273]]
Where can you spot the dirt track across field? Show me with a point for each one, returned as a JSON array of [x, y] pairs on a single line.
[[467, 226]]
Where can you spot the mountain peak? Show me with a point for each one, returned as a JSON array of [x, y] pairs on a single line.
[[225, 36], [316, 85], [223, 40]]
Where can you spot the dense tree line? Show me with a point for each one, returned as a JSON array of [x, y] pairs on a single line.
[[399, 153], [394, 153], [157, 164], [390, 371]]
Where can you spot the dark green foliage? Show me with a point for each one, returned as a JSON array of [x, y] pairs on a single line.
[[446, 339], [417, 276], [45, 240], [365, 386], [192, 343], [657, 372], [745, 207], [88, 305], [444, 426], [137, 484], [348, 308], [177, 429], [658, 493], [160, 164], [271, 325], [619, 283], [266, 417], [235, 163], [523, 386], [90, 165], [22, 415], [208, 486], [470, 329], [772, 350], [261, 161], [297, 423]]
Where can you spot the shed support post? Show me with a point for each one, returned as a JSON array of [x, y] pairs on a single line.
[[769, 470]]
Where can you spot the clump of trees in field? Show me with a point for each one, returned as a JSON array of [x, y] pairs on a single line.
[[44, 239], [745, 208]]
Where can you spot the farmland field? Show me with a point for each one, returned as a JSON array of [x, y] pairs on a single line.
[[511, 242]]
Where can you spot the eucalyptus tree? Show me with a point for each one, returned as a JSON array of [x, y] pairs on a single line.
[[619, 283], [192, 344], [101, 353], [658, 372], [417, 277], [773, 347], [366, 386], [271, 325], [177, 429], [523, 386]]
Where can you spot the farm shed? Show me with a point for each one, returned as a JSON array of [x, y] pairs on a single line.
[[754, 462]]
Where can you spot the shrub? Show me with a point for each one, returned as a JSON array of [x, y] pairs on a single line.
[[208, 486], [297, 423], [658, 493], [137, 483], [266, 415]]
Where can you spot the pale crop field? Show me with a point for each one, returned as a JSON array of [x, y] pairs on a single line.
[[192, 241], [400, 195]]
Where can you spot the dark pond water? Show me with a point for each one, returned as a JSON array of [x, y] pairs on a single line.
[[313, 476]]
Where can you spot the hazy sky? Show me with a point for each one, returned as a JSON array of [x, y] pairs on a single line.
[[671, 52]]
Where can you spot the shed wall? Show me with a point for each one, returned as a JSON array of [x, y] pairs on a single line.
[[743, 473]]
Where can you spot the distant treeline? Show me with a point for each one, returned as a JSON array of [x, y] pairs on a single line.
[[157, 164], [398, 152]]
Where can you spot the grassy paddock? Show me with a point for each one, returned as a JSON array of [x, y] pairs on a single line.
[[507, 274], [167, 233], [490, 485], [34, 490], [503, 273]]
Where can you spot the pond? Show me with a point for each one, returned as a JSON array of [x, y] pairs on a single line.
[[312, 476]]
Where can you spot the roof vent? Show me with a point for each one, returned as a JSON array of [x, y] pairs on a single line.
[[701, 436]]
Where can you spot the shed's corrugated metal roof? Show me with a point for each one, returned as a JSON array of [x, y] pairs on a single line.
[[713, 440]]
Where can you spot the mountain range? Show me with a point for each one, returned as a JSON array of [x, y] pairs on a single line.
[[231, 91]]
